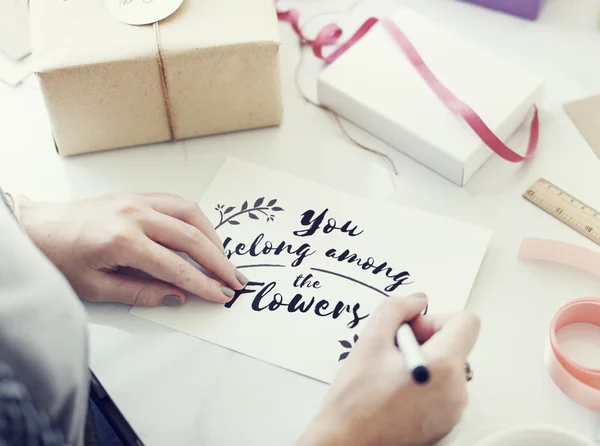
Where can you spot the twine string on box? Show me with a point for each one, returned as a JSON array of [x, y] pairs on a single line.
[[163, 81], [293, 17]]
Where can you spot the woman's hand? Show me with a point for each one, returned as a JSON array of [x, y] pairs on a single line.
[[91, 241], [373, 400]]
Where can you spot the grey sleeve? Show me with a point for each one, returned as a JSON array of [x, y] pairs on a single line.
[[21, 422], [43, 335]]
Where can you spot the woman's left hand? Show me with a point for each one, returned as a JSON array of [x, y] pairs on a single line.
[[92, 240]]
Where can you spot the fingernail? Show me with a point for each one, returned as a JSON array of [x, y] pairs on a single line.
[[421, 295], [172, 301], [227, 292], [243, 279]]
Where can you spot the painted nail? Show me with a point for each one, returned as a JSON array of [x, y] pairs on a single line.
[[227, 292], [172, 301], [243, 279], [418, 295]]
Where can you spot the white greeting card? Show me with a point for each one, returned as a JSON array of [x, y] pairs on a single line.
[[319, 263]]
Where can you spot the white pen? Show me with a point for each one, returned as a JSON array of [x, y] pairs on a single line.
[[411, 350]]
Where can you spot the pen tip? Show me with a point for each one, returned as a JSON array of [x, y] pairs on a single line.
[[420, 374]]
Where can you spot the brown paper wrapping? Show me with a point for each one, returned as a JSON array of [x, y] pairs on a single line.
[[101, 80], [585, 114]]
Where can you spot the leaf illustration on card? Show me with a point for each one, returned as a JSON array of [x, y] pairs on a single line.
[[348, 345], [343, 356], [253, 212]]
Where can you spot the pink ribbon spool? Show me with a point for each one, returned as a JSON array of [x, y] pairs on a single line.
[[578, 382]]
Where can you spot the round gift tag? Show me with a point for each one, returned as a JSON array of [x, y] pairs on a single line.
[[142, 12]]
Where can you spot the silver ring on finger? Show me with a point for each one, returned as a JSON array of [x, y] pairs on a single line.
[[468, 371]]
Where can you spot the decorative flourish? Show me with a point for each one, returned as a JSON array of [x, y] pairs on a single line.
[[348, 345], [252, 212], [352, 279]]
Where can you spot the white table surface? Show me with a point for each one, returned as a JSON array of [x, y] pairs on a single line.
[[179, 390]]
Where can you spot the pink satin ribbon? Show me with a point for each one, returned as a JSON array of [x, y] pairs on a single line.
[[578, 382], [330, 35]]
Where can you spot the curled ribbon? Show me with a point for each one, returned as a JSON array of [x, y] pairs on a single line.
[[578, 382], [331, 34]]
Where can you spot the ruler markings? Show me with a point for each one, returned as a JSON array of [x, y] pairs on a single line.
[[565, 208]]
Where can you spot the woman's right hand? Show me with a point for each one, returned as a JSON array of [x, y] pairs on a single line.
[[373, 400]]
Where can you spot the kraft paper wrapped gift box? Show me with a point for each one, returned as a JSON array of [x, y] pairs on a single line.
[[101, 79], [375, 86]]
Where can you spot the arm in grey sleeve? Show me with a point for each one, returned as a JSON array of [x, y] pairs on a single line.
[[21, 421], [43, 333]]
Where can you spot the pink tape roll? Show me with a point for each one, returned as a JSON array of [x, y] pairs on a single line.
[[582, 384], [578, 382]]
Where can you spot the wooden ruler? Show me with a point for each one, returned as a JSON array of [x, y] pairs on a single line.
[[566, 208]]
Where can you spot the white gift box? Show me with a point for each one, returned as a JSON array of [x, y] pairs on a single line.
[[376, 87]]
